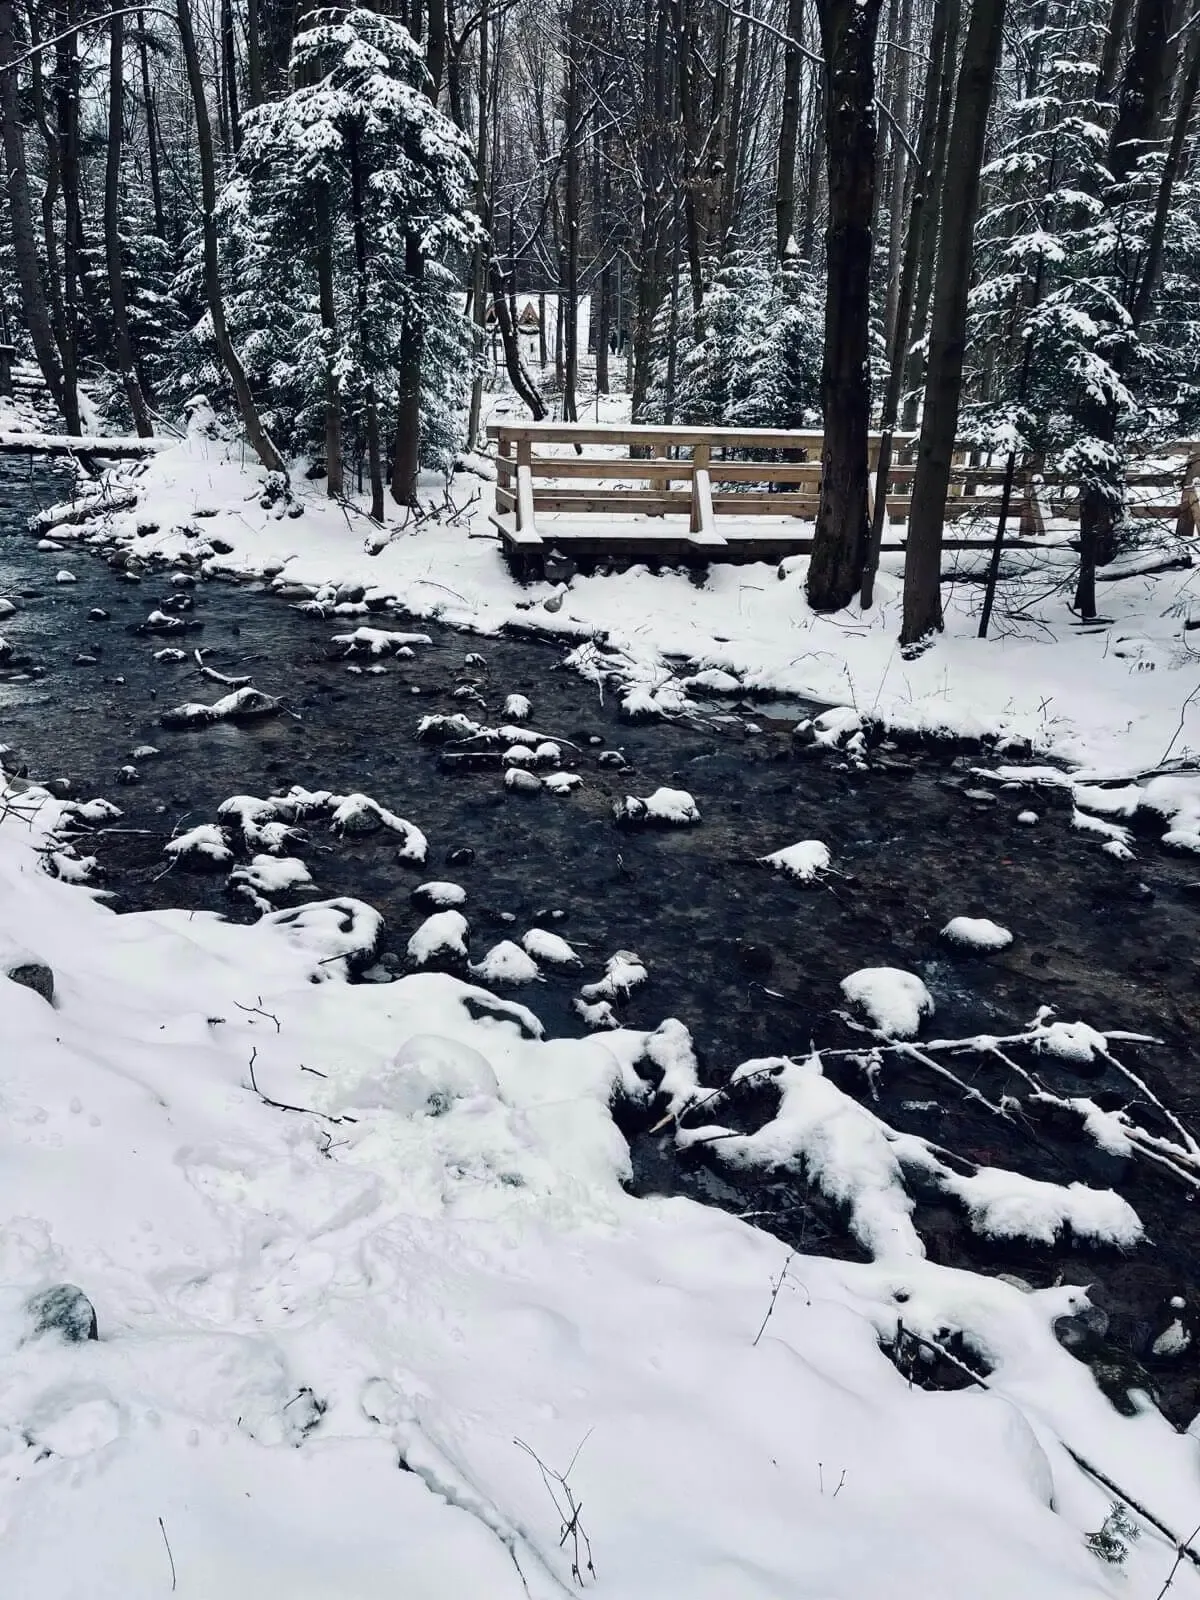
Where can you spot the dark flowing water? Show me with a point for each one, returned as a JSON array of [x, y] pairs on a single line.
[[749, 960]]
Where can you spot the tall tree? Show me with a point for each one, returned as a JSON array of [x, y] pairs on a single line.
[[848, 32], [122, 341], [947, 331]]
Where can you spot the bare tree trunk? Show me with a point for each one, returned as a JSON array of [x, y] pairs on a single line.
[[160, 223], [848, 30], [900, 122], [260, 440], [66, 106], [27, 267], [406, 454], [789, 122], [334, 475], [254, 83], [947, 333], [122, 341], [568, 312], [1188, 87], [515, 367], [229, 65], [931, 218], [941, 64]]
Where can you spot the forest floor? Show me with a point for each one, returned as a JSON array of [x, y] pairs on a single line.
[[299, 1286]]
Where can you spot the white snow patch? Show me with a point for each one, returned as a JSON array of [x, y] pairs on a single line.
[[896, 1002], [977, 933], [623, 972], [506, 962], [206, 842], [443, 933], [804, 861], [549, 947], [673, 806], [1008, 1205]]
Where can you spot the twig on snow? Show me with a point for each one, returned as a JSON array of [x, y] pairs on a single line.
[[170, 1557], [569, 1515], [257, 1011]]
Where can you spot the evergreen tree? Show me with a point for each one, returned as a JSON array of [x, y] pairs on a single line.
[[329, 181]]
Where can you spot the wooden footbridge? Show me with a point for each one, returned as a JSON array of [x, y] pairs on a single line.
[[675, 495]]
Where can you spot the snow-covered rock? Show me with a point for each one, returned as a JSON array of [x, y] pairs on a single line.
[[517, 707], [561, 782], [506, 962], [442, 934], [623, 972], [438, 896], [243, 705], [519, 781], [549, 947], [894, 1001], [804, 861], [976, 933], [672, 807], [203, 846]]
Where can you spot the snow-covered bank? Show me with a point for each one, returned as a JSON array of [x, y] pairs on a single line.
[[1116, 698], [332, 1230]]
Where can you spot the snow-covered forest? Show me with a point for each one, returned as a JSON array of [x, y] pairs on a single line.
[[322, 220], [599, 800]]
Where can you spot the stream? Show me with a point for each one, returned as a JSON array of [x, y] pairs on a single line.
[[748, 959]]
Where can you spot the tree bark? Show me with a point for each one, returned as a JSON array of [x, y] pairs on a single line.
[[515, 367], [230, 68], [156, 197], [122, 341], [914, 364], [66, 116], [260, 440], [947, 333], [848, 30], [789, 123], [945, 21], [27, 267], [406, 452], [900, 122], [1152, 266]]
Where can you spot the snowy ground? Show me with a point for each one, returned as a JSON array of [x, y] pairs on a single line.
[[420, 1257], [365, 1276], [1117, 699]]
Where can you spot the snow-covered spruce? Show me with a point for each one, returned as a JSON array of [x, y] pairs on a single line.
[[895, 1002], [976, 933], [805, 862], [665, 807]]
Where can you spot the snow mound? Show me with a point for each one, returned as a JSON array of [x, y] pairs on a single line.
[[268, 875], [804, 861], [379, 642], [442, 934], [517, 707], [561, 782], [549, 947], [200, 846], [506, 962], [895, 1002], [438, 895], [976, 933], [673, 807], [243, 705], [623, 972], [1008, 1205]]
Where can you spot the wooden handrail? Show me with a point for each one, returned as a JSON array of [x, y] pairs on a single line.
[[636, 433]]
